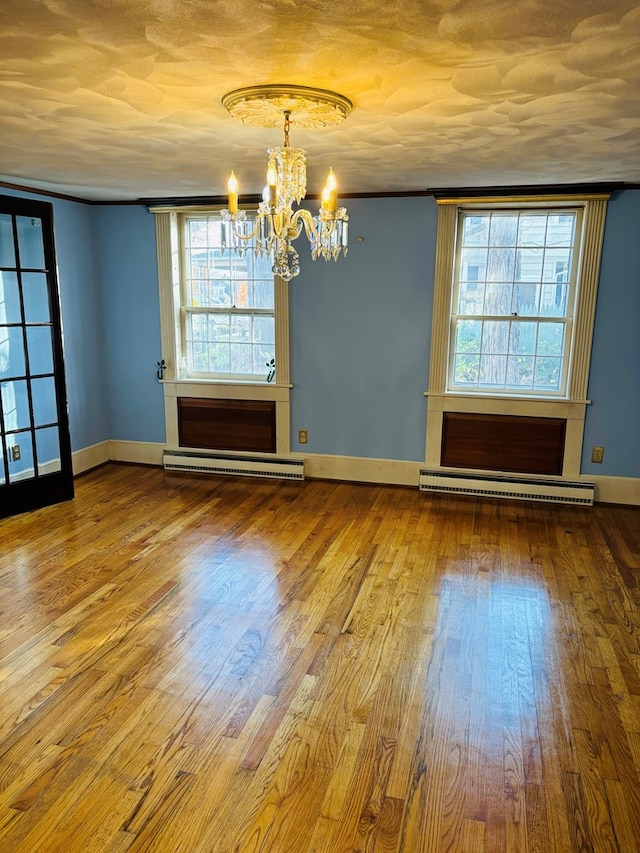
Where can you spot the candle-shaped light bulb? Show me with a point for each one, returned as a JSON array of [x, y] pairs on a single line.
[[271, 186], [331, 192], [232, 189]]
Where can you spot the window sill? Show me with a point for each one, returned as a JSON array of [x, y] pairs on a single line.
[[520, 398], [241, 383], [225, 389]]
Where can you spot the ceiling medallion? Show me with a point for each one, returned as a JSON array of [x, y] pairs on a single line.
[[264, 106], [275, 225]]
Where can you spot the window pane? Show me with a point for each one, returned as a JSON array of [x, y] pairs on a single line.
[[40, 349], [241, 358], [466, 369], [475, 229], [240, 329], [468, 336], [198, 357], [219, 361], [48, 450], [30, 245], [497, 300], [263, 330], [529, 265], [501, 266], [9, 298], [213, 231], [198, 331], [547, 374], [473, 264], [22, 469], [553, 300], [504, 228], [15, 405], [11, 352], [471, 298], [561, 228], [522, 339], [214, 293], [262, 268], [7, 251], [36, 297], [262, 355], [520, 371], [197, 232], [525, 300], [532, 229], [493, 369], [550, 339], [495, 337], [556, 264], [219, 327], [43, 393], [242, 294], [263, 294]]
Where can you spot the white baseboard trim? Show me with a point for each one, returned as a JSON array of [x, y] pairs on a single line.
[[90, 457], [392, 472], [143, 452], [617, 490]]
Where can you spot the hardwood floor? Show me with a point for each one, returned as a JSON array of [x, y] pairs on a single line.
[[203, 665]]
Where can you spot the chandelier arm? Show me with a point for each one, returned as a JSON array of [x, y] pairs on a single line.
[[231, 219], [303, 217], [245, 237]]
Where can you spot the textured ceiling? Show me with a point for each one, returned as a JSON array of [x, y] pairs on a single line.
[[120, 99]]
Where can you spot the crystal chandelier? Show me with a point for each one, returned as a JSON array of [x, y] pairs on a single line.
[[277, 225]]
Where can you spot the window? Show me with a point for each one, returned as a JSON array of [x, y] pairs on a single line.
[[227, 305], [224, 320], [514, 305], [513, 300]]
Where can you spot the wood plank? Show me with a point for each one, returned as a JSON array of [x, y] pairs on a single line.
[[526, 445], [216, 665]]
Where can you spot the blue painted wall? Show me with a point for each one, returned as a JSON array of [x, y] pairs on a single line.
[[126, 254], [81, 319], [613, 418], [360, 335], [360, 332]]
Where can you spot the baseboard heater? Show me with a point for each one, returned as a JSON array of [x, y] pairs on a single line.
[[516, 488], [241, 464]]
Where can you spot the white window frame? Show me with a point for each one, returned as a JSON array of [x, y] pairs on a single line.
[[176, 383], [572, 404]]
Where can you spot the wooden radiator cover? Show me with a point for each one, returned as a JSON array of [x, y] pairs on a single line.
[[246, 425], [514, 443]]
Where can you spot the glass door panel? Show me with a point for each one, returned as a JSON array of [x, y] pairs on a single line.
[[12, 362], [35, 297], [9, 298], [39, 350], [35, 461], [48, 450]]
